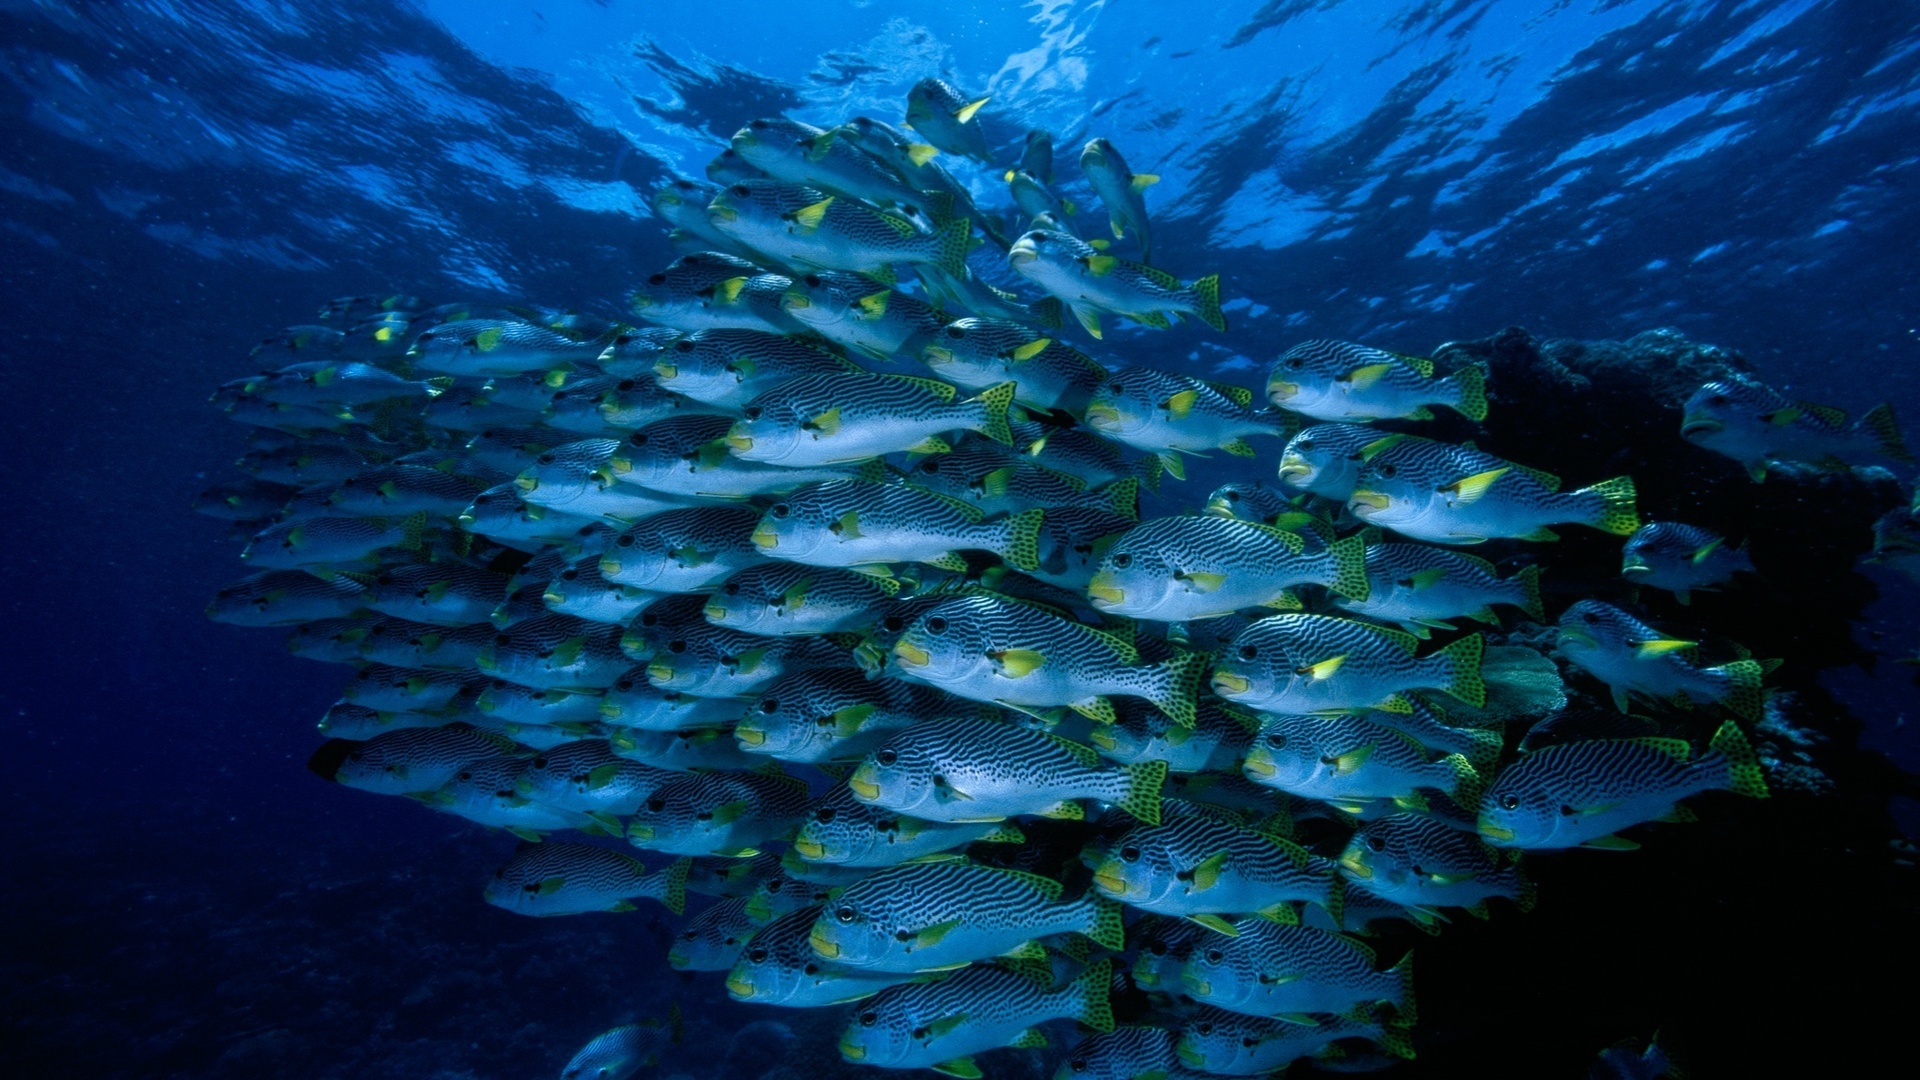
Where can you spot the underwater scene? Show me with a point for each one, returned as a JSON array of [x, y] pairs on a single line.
[[1061, 540]]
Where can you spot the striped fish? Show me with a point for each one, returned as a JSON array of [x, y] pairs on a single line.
[[995, 477], [502, 702], [1680, 558], [714, 939], [588, 776], [405, 644], [988, 648], [840, 830], [1168, 414], [782, 599], [392, 689], [1421, 587], [854, 523], [1445, 494], [838, 714], [731, 367], [717, 662], [1424, 862], [285, 598], [972, 769], [686, 457], [1253, 501], [1047, 373], [621, 1052], [940, 1025], [1272, 970], [1351, 760], [718, 814], [1755, 425], [1224, 1043], [487, 792], [1200, 866], [575, 479], [407, 760], [836, 419], [680, 551], [556, 652], [572, 879], [634, 703], [1633, 658], [1217, 740], [583, 592], [779, 967], [1339, 380], [942, 911], [708, 290], [809, 227], [1121, 1054], [1090, 282], [856, 313], [1320, 663], [1199, 566]]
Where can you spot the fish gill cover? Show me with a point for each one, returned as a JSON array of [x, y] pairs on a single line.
[[1025, 570]]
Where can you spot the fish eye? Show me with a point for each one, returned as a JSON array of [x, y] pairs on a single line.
[[1214, 956], [1204, 1027], [903, 934], [1130, 854], [1511, 802], [825, 815], [1388, 470], [1717, 399], [757, 956], [869, 1018], [1375, 843], [1117, 388], [677, 645], [649, 619], [757, 125], [770, 706], [886, 757], [751, 412], [1078, 1064], [683, 345], [1249, 652], [733, 588], [502, 639], [937, 625], [545, 459], [931, 465], [811, 968], [656, 279], [656, 805], [1123, 560], [623, 684], [844, 914], [624, 384], [1294, 362], [1277, 741], [1305, 444], [739, 189], [812, 280], [624, 540], [1158, 948], [569, 575], [893, 623], [1590, 618], [780, 510], [638, 438]]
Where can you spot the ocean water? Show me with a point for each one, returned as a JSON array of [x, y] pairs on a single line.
[[180, 180]]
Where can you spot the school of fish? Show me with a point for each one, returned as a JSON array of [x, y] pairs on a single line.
[[814, 598]]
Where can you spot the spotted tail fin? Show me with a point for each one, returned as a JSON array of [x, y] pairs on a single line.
[[1880, 424], [1616, 513], [1744, 775], [1470, 384]]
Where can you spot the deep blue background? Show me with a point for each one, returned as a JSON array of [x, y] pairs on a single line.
[[178, 180]]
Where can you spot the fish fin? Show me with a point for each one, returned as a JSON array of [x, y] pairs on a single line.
[[673, 889], [1325, 669], [1178, 690], [1019, 663], [1885, 430], [963, 1067], [531, 836], [1100, 265], [874, 305], [1364, 378], [809, 217], [1350, 762], [1463, 678], [1123, 497], [1064, 810], [1107, 929], [965, 113], [1216, 924], [1744, 695], [1529, 581], [953, 241], [995, 401], [1207, 874], [1031, 1038], [932, 935], [1349, 558], [1239, 395], [1023, 539], [1240, 448], [1744, 775], [1470, 489], [1645, 650], [952, 561], [1180, 405], [1470, 389], [1616, 514], [1207, 293], [1174, 465], [1286, 601], [1373, 449], [1091, 988], [1143, 181], [1679, 815], [1283, 913], [1142, 799]]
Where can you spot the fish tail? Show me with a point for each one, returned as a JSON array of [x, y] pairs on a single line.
[[1123, 497], [1141, 800], [1462, 661], [951, 244], [1483, 746], [1335, 902], [673, 885], [1881, 426], [1348, 558], [1744, 775], [1402, 1000], [1023, 539], [995, 401], [1149, 469], [1089, 992], [1529, 581], [1744, 697], [1178, 691], [1206, 293], [1050, 313], [1105, 927], [1470, 386], [1615, 513], [1396, 1041], [1467, 784]]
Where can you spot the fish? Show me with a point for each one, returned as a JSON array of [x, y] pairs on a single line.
[[345, 720], [1037, 157], [940, 912], [1082, 453], [1680, 558], [1419, 588], [1443, 494], [819, 420], [1169, 414], [970, 769], [783, 599], [586, 775], [1037, 202], [1090, 282], [395, 491], [693, 749], [728, 368], [840, 830], [660, 623], [1223, 1043], [779, 967], [584, 593], [392, 689], [988, 648], [1896, 541], [576, 479], [808, 227], [621, 1052], [729, 167], [837, 714], [286, 598], [686, 458], [634, 352], [1251, 500], [341, 383], [406, 760], [1757, 426], [573, 879], [719, 662], [941, 1025], [500, 515], [302, 465], [324, 544], [440, 594], [682, 204], [1349, 761], [487, 347], [938, 112], [1325, 664], [712, 290], [800, 153], [612, 407], [1126, 1052], [1273, 970], [634, 703], [486, 793], [510, 703], [1073, 539], [1633, 658], [1424, 862], [404, 644], [679, 551], [555, 652], [996, 477], [714, 939], [1343, 381], [1629, 1061], [1216, 742], [976, 353], [1200, 867], [1121, 191], [244, 500], [511, 449], [862, 316], [718, 814], [1580, 794], [1198, 566], [855, 523], [1579, 725]]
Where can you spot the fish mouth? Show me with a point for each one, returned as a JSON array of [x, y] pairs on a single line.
[[862, 785], [658, 672], [609, 567], [1371, 500], [1220, 507], [1259, 764], [764, 537], [794, 301], [664, 370], [639, 832], [1356, 865], [466, 520], [1189, 1056], [935, 354], [1023, 251], [1226, 682], [719, 212], [1198, 987], [1102, 416], [714, 611], [1494, 832], [611, 710], [749, 736], [640, 302], [739, 987], [1102, 591], [1570, 636], [739, 443], [744, 138], [1109, 877], [525, 484], [852, 1051], [1699, 425], [911, 655], [1281, 391], [551, 598], [1103, 739], [810, 850], [1293, 465], [822, 945], [1635, 566]]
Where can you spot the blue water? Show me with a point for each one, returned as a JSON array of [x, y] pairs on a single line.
[[179, 180]]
